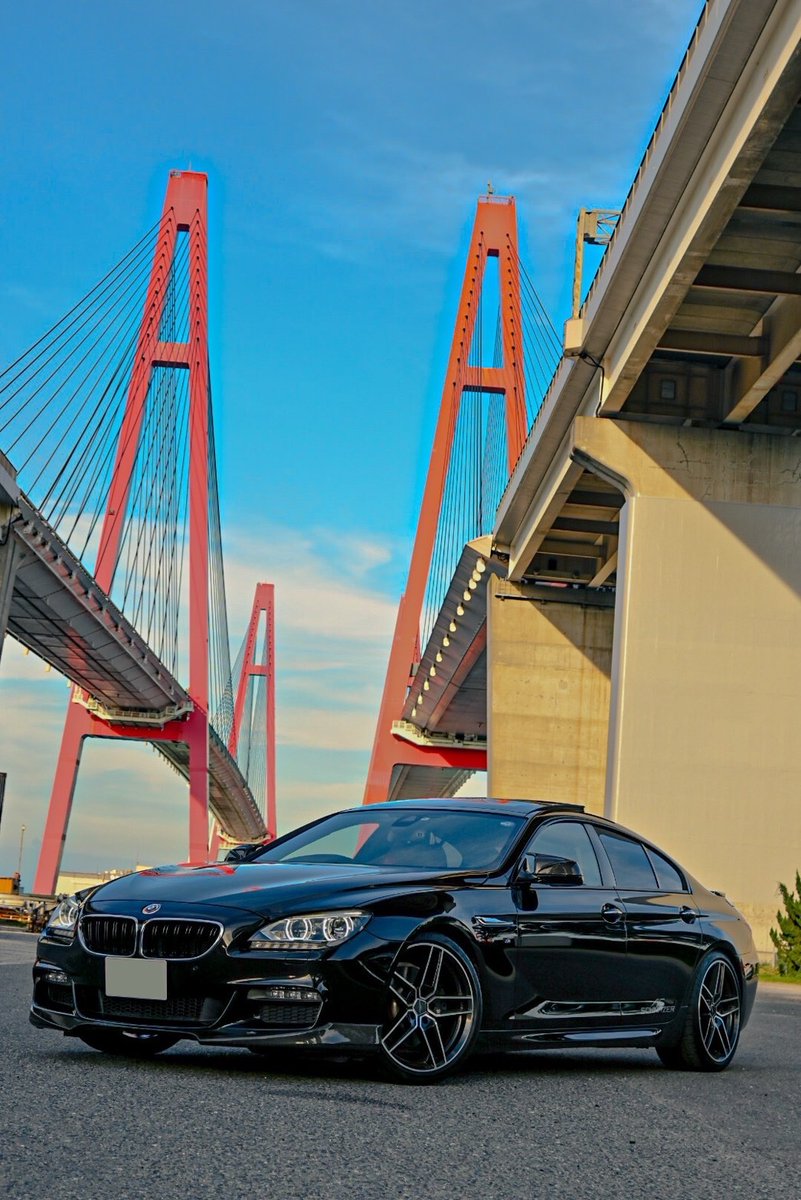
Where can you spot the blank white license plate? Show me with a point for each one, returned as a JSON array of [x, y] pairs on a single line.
[[137, 978]]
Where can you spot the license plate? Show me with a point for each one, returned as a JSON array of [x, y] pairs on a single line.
[[137, 978]]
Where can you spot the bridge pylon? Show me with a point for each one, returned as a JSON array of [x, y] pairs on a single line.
[[252, 705], [184, 212], [494, 236]]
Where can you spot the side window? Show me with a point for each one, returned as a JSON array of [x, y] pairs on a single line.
[[629, 862], [668, 878], [568, 839]]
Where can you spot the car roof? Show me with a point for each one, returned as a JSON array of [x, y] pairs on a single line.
[[493, 804]]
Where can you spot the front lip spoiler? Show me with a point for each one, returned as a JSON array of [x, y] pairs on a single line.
[[323, 1037]]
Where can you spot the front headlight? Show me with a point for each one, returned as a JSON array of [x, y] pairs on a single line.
[[315, 931], [63, 919]]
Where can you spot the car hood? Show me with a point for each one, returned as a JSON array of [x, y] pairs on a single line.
[[260, 887]]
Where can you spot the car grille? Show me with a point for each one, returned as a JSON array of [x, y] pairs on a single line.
[[178, 939], [160, 938], [109, 935], [183, 1008], [178, 1010], [295, 1016]]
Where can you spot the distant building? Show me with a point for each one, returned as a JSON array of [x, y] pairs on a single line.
[[73, 881]]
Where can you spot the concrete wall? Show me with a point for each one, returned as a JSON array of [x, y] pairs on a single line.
[[705, 728], [547, 694]]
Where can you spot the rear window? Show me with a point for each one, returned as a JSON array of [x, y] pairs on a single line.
[[668, 877], [629, 861]]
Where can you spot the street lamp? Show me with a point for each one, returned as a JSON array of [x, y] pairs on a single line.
[[21, 843]]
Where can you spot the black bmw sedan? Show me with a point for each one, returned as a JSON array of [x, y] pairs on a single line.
[[415, 930]]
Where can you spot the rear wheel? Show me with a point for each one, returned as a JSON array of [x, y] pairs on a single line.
[[712, 1027], [130, 1043], [433, 1011]]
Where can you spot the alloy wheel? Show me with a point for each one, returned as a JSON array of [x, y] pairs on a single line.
[[719, 1010], [433, 1009]]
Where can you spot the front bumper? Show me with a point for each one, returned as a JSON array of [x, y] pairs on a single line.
[[228, 997], [331, 1036]]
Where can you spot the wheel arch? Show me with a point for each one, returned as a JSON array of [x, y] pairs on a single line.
[[729, 952], [457, 933]]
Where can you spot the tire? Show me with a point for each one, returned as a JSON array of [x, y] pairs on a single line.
[[433, 1011], [711, 1030], [128, 1043]]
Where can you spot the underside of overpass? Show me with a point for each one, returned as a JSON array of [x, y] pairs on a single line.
[[694, 318]]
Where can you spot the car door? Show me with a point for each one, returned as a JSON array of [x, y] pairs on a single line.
[[571, 941], [663, 932]]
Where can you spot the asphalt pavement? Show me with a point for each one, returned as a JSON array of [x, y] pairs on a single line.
[[583, 1125]]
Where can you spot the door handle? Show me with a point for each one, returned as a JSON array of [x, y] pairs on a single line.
[[612, 913], [687, 914]]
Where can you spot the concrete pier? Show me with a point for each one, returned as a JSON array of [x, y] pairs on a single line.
[[703, 751], [549, 663]]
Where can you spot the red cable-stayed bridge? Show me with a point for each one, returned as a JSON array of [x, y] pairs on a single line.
[[431, 733], [108, 419], [111, 564]]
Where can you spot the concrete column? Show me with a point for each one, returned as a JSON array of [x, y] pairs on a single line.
[[548, 667], [704, 747]]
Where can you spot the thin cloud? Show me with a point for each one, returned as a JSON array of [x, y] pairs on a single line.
[[320, 589], [416, 194], [333, 730]]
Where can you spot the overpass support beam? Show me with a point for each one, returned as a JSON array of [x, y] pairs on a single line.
[[549, 660], [706, 667]]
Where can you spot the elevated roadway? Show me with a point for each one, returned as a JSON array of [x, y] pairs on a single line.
[[693, 318]]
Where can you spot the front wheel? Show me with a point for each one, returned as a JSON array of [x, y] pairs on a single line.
[[129, 1043], [433, 1010], [712, 1027]]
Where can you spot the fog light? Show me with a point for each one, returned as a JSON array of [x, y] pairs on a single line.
[[296, 995], [57, 977]]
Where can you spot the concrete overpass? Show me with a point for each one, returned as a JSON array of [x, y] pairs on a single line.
[[643, 610]]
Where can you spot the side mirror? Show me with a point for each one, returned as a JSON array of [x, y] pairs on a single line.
[[549, 868], [241, 853]]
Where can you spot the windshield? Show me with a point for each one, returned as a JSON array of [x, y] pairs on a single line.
[[417, 839]]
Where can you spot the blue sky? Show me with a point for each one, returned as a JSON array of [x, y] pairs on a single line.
[[346, 142]]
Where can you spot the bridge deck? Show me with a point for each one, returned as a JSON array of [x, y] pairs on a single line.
[[59, 612], [230, 798]]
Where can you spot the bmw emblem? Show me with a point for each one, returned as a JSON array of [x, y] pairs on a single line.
[[150, 908]]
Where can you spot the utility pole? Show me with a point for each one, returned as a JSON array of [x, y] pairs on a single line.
[[22, 829]]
